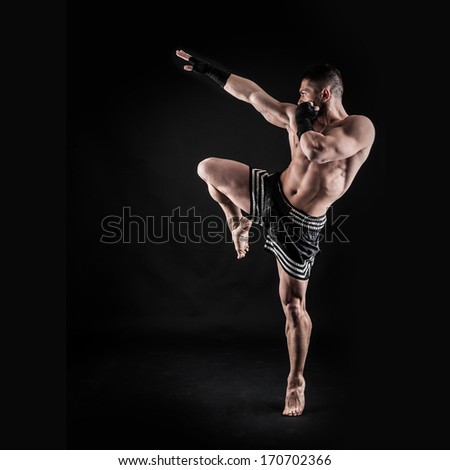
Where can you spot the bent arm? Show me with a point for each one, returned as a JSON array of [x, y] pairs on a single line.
[[246, 90], [355, 134]]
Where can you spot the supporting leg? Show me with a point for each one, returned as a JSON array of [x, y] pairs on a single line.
[[298, 333]]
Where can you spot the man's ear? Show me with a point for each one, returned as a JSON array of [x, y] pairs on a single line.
[[326, 95]]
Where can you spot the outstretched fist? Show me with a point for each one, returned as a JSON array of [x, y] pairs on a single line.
[[185, 56]]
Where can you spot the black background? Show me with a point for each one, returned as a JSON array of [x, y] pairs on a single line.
[[182, 339]]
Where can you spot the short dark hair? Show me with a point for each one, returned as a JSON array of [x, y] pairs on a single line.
[[325, 75]]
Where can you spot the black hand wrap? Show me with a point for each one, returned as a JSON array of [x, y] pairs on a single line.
[[218, 75], [304, 116]]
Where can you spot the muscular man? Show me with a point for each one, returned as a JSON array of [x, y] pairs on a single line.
[[328, 148]]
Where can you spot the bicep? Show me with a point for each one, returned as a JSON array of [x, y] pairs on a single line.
[[347, 140], [342, 145]]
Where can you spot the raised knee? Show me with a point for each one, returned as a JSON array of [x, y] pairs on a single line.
[[295, 312], [205, 166]]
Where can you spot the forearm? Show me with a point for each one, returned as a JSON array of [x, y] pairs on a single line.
[[338, 144], [314, 145], [239, 87], [242, 88]]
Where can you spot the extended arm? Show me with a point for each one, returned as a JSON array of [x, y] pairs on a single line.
[[245, 90], [355, 134]]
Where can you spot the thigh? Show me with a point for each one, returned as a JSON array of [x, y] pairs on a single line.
[[230, 178]]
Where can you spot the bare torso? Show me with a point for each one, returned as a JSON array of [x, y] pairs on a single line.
[[313, 187]]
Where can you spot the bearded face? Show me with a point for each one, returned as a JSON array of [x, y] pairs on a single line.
[[309, 92]]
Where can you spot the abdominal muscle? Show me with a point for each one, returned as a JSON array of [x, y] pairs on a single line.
[[313, 187]]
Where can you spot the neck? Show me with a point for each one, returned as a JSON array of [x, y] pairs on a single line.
[[333, 112]]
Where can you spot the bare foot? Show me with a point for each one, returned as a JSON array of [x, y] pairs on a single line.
[[239, 232], [295, 399]]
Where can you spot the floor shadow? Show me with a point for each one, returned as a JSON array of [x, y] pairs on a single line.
[[200, 396]]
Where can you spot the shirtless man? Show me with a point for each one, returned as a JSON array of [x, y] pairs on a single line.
[[328, 148]]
